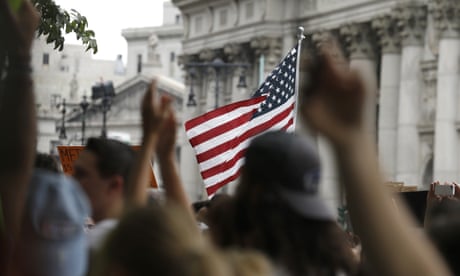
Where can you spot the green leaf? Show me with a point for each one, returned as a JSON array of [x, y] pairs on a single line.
[[55, 21]]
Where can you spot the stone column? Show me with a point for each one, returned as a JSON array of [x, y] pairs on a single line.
[[188, 165], [446, 18], [412, 23], [271, 50], [390, 69], [359, 42], [236, 54]]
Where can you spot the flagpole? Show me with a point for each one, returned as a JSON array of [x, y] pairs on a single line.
[[300, 37]]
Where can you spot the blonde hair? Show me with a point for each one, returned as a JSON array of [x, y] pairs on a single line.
[[160, 241], [248, 263]]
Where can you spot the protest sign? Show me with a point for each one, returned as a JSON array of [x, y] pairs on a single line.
[[68, 155]]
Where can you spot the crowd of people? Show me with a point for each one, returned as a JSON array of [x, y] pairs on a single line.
[[275, 224]]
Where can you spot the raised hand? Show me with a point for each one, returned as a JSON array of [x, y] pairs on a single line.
[[154, 112], [17, 30], [167, 139], [334, 103]]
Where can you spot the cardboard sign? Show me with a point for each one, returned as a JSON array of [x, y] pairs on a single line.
[[68, 155]]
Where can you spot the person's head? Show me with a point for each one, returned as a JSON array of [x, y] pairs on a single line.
[[443, 230], [53, 241], [46, 162], [279, 211], [283, 167], [102, 169], [159, 241]]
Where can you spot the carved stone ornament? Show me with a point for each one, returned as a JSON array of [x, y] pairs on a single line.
[[184, 59], [359, 40], [152, 55], [207, 55], [329, 40], [233, 51], [320, 38], [446, 17], [387, 32], [412, 20], [428, 96], [268, 46]]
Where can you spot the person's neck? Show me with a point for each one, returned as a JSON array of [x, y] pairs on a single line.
[[114, 212]]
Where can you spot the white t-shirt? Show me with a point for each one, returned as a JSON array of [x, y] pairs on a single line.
[[98, 233]]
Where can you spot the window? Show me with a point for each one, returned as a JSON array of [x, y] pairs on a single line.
[[177, 19], [46, 59], [139, 63], [198, 24], [172, 57], [249, 10], [55, 99], [223, 18]]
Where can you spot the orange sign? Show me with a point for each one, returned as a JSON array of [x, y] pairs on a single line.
[[68, 155]]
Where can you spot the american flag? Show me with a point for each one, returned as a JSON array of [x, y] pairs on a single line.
[[221, 136]]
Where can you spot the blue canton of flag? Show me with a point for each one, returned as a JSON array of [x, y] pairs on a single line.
[[279, 85]]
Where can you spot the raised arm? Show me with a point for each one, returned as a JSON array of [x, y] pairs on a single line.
[[334, 107], [159, 128], [153, 116], [17, 116], [166, 153]]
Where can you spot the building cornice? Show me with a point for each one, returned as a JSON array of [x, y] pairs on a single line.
[[334, 18], [145, 33]]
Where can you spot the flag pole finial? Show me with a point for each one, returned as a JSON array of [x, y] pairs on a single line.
[[300, 33]]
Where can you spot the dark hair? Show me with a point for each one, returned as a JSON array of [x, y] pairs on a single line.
[[47, 162], [301, 245], [443, 230], [209, 203], [113, 157], [197, 205]]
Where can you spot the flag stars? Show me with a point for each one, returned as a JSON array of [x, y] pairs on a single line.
[[278, 87]]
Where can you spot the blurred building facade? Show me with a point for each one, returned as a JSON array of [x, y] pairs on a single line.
[[70, 74], [408, 52], [67, 74], [152, 53]]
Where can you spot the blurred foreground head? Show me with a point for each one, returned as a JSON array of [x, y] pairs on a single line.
[[279, 211], [443, 230], [281, 166], [159, 241], [53, 241]]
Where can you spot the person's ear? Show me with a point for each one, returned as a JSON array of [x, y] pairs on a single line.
[[116, 184]]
